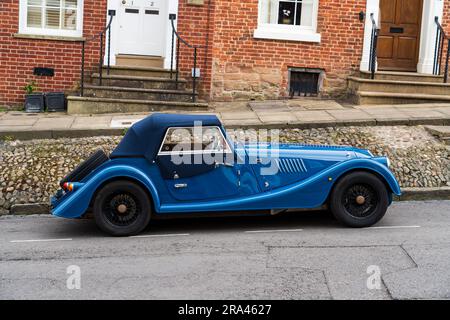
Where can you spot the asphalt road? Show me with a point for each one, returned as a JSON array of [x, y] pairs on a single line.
[[293, 256]]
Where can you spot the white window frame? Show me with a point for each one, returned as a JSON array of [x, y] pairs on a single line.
[[227, 149], [287, 32], [24, 29]]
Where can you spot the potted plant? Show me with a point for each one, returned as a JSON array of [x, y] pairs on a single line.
[[55, 101], [34, 101]]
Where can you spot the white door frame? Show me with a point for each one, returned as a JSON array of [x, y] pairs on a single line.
[[431, 9], [114, 5]]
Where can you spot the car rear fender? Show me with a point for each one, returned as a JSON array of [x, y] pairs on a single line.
[[75, 204]]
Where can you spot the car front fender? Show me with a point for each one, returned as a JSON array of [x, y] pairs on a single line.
[[374, 166], [75, 204]]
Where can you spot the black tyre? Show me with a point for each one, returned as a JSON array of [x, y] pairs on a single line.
[[122, 208], [83, 169], [359, 199]]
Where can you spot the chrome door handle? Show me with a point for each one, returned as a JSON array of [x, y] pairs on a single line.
[[180, 185]]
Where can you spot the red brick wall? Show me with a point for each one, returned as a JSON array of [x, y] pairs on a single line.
[[19, 56], [234, 65], [196, 26], [446, 19], [245, 67]]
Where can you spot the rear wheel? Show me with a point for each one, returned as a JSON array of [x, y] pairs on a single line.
[[359, 199], [122, 208]]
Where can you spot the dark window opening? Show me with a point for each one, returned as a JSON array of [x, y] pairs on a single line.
[[288, 12], [46, 72], [304, 82]]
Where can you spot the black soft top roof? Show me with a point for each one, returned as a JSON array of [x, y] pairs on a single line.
[[144, 138]]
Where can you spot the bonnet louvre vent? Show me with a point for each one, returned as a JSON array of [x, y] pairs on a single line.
[[291, 165]]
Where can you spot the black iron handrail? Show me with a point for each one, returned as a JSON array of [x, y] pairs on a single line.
[[373, 47], [101, 34], [175, 57], [441, 37]]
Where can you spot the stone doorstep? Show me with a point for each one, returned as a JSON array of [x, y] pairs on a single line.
[[388, 114], [431, 106], [55, 123], [421, 114], [238, 115], [235, 123], [6, 129], [18, 121], [445, 111], [276, 118], [408, 194], [313, 116], [348, 115], [440, 131], [267, 104], [315, 104], [89, 121]]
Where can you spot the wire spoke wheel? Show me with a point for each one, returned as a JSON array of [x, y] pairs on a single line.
[[121, 209], [360, 200]]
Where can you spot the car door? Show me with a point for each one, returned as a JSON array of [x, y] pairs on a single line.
[[197, 164]]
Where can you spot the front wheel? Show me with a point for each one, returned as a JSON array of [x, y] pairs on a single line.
[[122, 208], [359, 199]]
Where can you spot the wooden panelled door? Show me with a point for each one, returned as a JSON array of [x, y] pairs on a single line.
[[398, 45]]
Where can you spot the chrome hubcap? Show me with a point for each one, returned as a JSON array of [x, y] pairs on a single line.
[[360, 200], [122, 209]]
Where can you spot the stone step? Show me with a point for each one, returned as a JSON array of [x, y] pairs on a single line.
[[439, 131], [90, 105], [381, 98], [139, 82], [396, 86], [137, 93], [138, 71], [139, 61], [446, 141], [402, 76]]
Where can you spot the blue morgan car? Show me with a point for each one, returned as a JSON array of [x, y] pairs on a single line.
[[169, 165]]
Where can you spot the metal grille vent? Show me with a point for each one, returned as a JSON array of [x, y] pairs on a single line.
[[304, 81], [287, 165]]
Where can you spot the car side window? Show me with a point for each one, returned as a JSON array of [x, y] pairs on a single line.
[[194, 140]]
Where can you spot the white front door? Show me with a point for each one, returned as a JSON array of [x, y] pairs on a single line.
[[142, 27]]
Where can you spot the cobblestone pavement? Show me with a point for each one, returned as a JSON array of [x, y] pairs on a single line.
[[30, 170]]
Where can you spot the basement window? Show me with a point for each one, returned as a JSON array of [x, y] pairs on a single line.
[[304, 82]]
